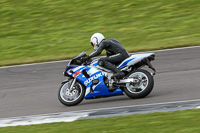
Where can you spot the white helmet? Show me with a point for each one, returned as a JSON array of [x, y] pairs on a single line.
[[96, 39]]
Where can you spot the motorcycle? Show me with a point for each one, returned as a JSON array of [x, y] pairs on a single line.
[[86, 79]]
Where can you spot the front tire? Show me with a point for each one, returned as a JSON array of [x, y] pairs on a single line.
[[143, 87], [73, 97]]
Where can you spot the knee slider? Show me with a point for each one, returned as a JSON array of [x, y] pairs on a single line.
[[101, 63]]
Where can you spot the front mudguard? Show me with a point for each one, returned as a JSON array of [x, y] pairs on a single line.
[[67, 80]]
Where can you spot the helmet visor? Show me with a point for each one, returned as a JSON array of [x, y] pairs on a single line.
[[92, 44]]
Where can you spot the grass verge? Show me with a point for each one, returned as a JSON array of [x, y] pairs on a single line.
[[186, 121], [37, 31]]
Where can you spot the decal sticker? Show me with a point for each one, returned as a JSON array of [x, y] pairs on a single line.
[[92, 78]]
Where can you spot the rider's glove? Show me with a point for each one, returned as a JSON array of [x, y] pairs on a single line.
[[85, 58]]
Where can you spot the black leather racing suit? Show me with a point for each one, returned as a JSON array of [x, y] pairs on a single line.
[[115, 54]]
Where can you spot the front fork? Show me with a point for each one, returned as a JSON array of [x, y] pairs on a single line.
[[72, 83], [71, 86]]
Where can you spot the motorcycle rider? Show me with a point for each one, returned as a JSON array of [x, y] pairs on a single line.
[[114, 50]]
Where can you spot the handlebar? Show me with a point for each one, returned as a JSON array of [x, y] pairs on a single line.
[[85, 61]]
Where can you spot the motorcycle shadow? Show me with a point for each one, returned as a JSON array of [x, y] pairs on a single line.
[[122, 99], [105, 100]]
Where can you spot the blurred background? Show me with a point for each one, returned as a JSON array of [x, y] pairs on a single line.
[[46, 30]]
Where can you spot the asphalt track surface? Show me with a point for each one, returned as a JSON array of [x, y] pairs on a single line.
[[32, 89]]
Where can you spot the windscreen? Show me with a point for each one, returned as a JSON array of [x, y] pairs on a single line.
[[81, 55]]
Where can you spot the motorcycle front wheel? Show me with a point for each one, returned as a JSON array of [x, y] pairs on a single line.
[[71, 97], [142, 88]]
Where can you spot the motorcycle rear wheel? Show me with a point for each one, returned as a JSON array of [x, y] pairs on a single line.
[[73, 97], [142, 88]]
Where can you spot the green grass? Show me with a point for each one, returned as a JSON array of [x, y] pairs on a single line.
[[44, 30], [187, 121]]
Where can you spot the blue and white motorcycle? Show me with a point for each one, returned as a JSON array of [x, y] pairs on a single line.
[[86, 79]]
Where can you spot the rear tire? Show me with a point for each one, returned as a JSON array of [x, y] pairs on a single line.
[[71, 98], [142, 88]]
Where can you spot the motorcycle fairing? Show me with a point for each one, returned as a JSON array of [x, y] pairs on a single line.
[[100, 89], [92, 91], [94, 62]]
